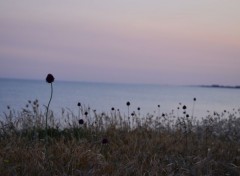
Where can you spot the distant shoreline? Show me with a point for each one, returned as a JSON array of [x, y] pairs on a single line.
[[220, 86]]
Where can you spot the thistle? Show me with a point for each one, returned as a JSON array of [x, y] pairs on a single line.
[[50, 80], [194, 100], [79, 109], [81, 121], [128, 104]]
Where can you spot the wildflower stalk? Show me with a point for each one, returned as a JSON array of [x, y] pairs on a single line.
[[46, 139], [194, 100], [128, 104], [49, 80]]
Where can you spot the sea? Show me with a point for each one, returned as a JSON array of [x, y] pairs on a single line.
[[102, 97]]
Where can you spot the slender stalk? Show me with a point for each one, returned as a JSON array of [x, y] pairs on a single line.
[[193, 109], [128, 118], [46, 128]]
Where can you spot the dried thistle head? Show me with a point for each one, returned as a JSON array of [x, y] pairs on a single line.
[[81, 121], [50, 78], [105, 141]]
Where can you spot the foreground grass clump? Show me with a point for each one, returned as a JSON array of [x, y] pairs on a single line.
[[92, 143]]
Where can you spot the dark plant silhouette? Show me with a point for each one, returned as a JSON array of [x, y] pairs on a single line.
[[194, 100], [50, 80], [79, 109], [128, 104], [81, 121], [105, 141], [158, 110], [184, 107]]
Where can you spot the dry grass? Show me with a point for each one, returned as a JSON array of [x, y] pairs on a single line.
[[166, 145]]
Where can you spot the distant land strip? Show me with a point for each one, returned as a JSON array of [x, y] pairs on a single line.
[[220, 86]]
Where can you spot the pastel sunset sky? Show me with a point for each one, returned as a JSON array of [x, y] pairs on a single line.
[[122, 41]]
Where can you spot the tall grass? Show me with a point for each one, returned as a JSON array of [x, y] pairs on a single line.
[[104, 145]]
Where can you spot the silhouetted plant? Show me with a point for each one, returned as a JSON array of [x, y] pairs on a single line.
[[128, 104], [194, 100], [158, 110], [50, 80], [81, 121], [139, 111], [79, 109], [105, 141]]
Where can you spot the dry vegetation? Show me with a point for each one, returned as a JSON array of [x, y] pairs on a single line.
[[91, 143]]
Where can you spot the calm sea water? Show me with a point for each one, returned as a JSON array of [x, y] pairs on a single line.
[[102, 96]]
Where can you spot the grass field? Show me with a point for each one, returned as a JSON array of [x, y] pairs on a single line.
[[91, 143]]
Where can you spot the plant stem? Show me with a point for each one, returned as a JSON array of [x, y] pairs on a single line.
[[46, 137]]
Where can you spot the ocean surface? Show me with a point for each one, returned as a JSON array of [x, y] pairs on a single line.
[[103, 96]]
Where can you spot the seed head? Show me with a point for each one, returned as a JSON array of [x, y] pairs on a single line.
[[194, 99], [128, 103], [184, 107], [158, 106], [79, 104], [81, 121], [50, 78], [112, 109], [105, 141], [86, 113], [138, 108]]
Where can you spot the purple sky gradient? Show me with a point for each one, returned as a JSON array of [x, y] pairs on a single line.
[[156, 41]]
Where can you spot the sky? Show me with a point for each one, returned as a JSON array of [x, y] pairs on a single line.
[[173, 42]]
